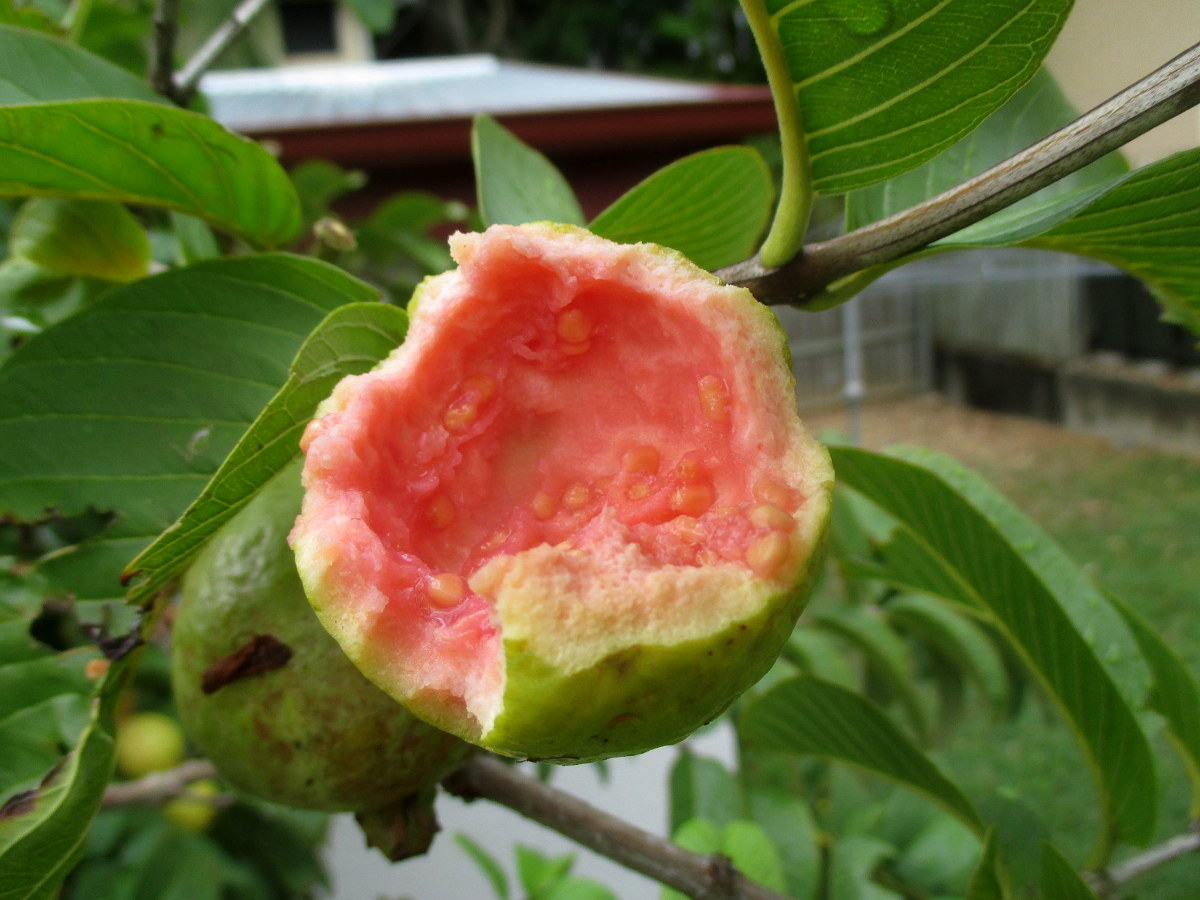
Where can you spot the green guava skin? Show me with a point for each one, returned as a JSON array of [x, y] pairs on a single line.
[[644, 694], [313, 733]]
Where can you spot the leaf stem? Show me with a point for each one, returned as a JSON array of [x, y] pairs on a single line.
[[1165, 93], [786, 235], [1109, 882], [697, 876], [218, 42]]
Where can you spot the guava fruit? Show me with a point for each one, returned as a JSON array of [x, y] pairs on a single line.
[[575, 514], [267, 695]]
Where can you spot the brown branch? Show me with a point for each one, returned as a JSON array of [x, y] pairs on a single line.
[[159, 786], [218, 42], [700, 877], [1165, 93], [1108, 883], [162, 53]]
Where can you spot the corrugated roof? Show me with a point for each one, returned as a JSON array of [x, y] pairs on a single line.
[[436, 88]]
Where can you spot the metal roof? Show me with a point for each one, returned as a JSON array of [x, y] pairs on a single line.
[[337, 94]]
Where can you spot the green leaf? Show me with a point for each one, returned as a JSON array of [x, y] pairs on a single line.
[[744, 842], [853, 861], [349, 341], [195, 240], [1175, 695], [85, 238], [710, 206], [1059, 878], [884, 85], [136, 152], [987, 881], [42, 833], [319, 182], [378, 15], [806, 716], [940, 857], [959, 539], [788, 822], [515, 183], [702, 788], [1148, 224], [539, 873], [132, 404], [1038, 109], [819, 653], [38, 68], [885, 652], [491, 869], [956, 637]]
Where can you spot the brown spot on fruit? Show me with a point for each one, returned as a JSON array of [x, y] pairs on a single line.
[[262, 653]]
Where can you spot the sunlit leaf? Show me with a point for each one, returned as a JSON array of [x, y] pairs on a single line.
[[515, 183], [136, 152], [711, 206], [885, 85]]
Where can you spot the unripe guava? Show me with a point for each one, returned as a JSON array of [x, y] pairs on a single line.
[[575, 514], [148, 742], [267, 695]]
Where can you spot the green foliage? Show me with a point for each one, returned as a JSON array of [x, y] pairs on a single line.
[[138, 412]]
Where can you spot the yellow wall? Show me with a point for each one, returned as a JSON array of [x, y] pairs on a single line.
[[1107, 44]]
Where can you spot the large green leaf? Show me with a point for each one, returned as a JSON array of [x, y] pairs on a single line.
[[1035, 111], [351, 340], [1059, 878], [136, 152], [743, 842], [1176, 696], [1148, 224], [515, 183], [710, 206], [959, 539], [42, 832], [884, 85], [702, 788], [807, 716], [37, 68], [988, 881], [134, 403]]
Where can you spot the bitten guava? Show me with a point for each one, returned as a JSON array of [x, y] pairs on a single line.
[[267, 695], [575, 514]]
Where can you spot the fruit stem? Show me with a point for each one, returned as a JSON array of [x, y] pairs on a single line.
[[698, 876]]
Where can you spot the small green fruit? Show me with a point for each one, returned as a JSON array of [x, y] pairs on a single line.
[[148, 742], [196, 808], [269, 697]]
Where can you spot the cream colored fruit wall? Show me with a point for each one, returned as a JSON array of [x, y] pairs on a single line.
[[1108, 44]]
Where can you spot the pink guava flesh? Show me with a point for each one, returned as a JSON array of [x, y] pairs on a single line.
[[577, 398]]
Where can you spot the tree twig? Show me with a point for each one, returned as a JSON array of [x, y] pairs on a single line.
[[158, 786], [1108, 883], [1165, 93], [218, 42], [697, 876], [162, 53]]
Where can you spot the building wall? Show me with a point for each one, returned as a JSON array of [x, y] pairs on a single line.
[[1108, 44]]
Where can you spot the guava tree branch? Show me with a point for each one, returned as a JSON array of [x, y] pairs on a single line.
[[159, 786], [185, 83], [1108, 884], [162, 53], [1165, 93], [697, 876]]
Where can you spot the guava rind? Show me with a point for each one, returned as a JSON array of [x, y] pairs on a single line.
[[618, 696], [313, 733]]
